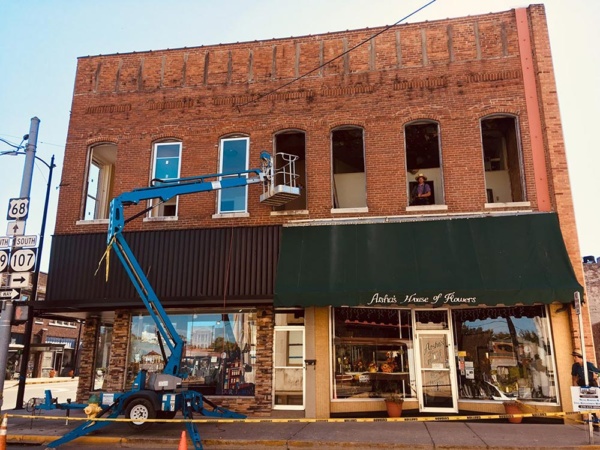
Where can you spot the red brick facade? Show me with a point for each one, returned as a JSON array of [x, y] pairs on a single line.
[[454, 72]]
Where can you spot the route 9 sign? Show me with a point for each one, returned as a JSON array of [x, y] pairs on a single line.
[[23, 260], [4, 259]]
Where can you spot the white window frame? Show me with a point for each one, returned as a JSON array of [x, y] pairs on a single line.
[[105, 174], [222, 170], [158, 211]]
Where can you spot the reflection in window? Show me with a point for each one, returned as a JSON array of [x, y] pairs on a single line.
[[167, 157], [348, 166], [234, 159], [103, 346], [372, 352], [219, 356], [505, 353]]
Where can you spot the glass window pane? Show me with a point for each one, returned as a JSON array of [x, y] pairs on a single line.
[[219, 355], [233, 199], [234, 155], [167, 150], [505, 353]]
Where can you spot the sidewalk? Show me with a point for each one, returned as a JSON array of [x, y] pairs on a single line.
[[324, 435], [12, 382]]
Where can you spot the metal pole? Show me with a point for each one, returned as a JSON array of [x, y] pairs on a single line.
[[34, 290], [7, 310]]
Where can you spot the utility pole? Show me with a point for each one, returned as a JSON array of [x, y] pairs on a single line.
[[7, 305]]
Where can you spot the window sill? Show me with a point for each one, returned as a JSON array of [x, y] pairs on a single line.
[[508, 205], [349, 210], [427, 208], [92, 222], [295, 212], [161, 219], [232, 215]]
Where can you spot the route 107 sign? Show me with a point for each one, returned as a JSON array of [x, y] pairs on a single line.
[[23, 260], [18, 209]]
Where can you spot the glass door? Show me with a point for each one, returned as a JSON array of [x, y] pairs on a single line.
[[288, 378], [436, 377]]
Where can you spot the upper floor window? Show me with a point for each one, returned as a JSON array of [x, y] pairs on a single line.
[[292, 143], [100, 178], [423, 160], [348, 167], [234, 159], [502, 160], [167, 165]]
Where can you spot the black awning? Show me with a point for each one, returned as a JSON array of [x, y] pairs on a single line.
[[469, 261]]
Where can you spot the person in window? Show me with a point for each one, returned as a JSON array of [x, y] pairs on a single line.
[[577, 371], [421, 194]]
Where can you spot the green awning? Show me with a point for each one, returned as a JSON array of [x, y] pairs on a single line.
[[468, 261]]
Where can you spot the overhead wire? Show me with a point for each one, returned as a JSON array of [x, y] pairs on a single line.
[[370, 38]]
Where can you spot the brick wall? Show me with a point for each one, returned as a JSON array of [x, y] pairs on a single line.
[[88, 354], [453, 71], [592, 288]]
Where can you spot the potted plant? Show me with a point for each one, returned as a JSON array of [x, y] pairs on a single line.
[[513, 407], [393, 403]]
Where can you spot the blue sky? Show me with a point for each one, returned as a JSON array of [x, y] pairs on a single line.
[[41, 40]]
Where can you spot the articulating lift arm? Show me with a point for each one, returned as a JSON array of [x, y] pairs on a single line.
[[165, 190]]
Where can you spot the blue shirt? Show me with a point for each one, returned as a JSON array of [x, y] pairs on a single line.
[[577, 371]]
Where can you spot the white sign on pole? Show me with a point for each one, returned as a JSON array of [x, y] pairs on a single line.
[[4, 259], [18, 209], [5, 242], [22, 260], [16, 228], [10, 293], [19, 280], [25, 241], [585, 398]]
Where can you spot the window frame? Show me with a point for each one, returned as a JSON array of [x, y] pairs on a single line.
[[223, 170], [334, 189], [104, 186], [158, 211]]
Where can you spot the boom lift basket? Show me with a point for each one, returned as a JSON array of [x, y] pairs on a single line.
[[281, 185]]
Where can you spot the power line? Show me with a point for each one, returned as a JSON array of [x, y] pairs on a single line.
[[261, 96]]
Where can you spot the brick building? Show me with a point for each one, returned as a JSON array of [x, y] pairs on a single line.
[[355, 289], [54, 341]]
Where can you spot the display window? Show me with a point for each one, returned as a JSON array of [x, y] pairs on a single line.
[[505, 353], [372, 353], [220, 352]]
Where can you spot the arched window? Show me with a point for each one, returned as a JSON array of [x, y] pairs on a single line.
[[348, 168], [166, 165], [423, 157], [293, 142], [502, 160], [100, 178]]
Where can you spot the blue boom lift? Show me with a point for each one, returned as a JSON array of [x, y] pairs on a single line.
[[160, 395]]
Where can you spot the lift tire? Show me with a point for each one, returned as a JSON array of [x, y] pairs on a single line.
[[167, 415], [140, 408]]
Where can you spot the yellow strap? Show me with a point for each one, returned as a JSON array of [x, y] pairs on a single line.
[[106, 256]]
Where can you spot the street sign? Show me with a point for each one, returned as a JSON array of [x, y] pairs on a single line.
[[19, 280], [25, 241], [10, 293], [18, 209], [4, 259], [16, 228], [4, 241], [22, 260]]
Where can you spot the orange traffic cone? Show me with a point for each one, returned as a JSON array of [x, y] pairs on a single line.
[[182, 442], [3, 428]]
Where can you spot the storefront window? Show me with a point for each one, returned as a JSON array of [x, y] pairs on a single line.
[[504, 353], [372, 352], [102, 355], [219, 355]]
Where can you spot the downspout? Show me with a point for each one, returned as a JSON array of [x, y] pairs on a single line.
[[533, 111]]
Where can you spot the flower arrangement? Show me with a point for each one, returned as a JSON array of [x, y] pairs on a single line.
[[393, 397]]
